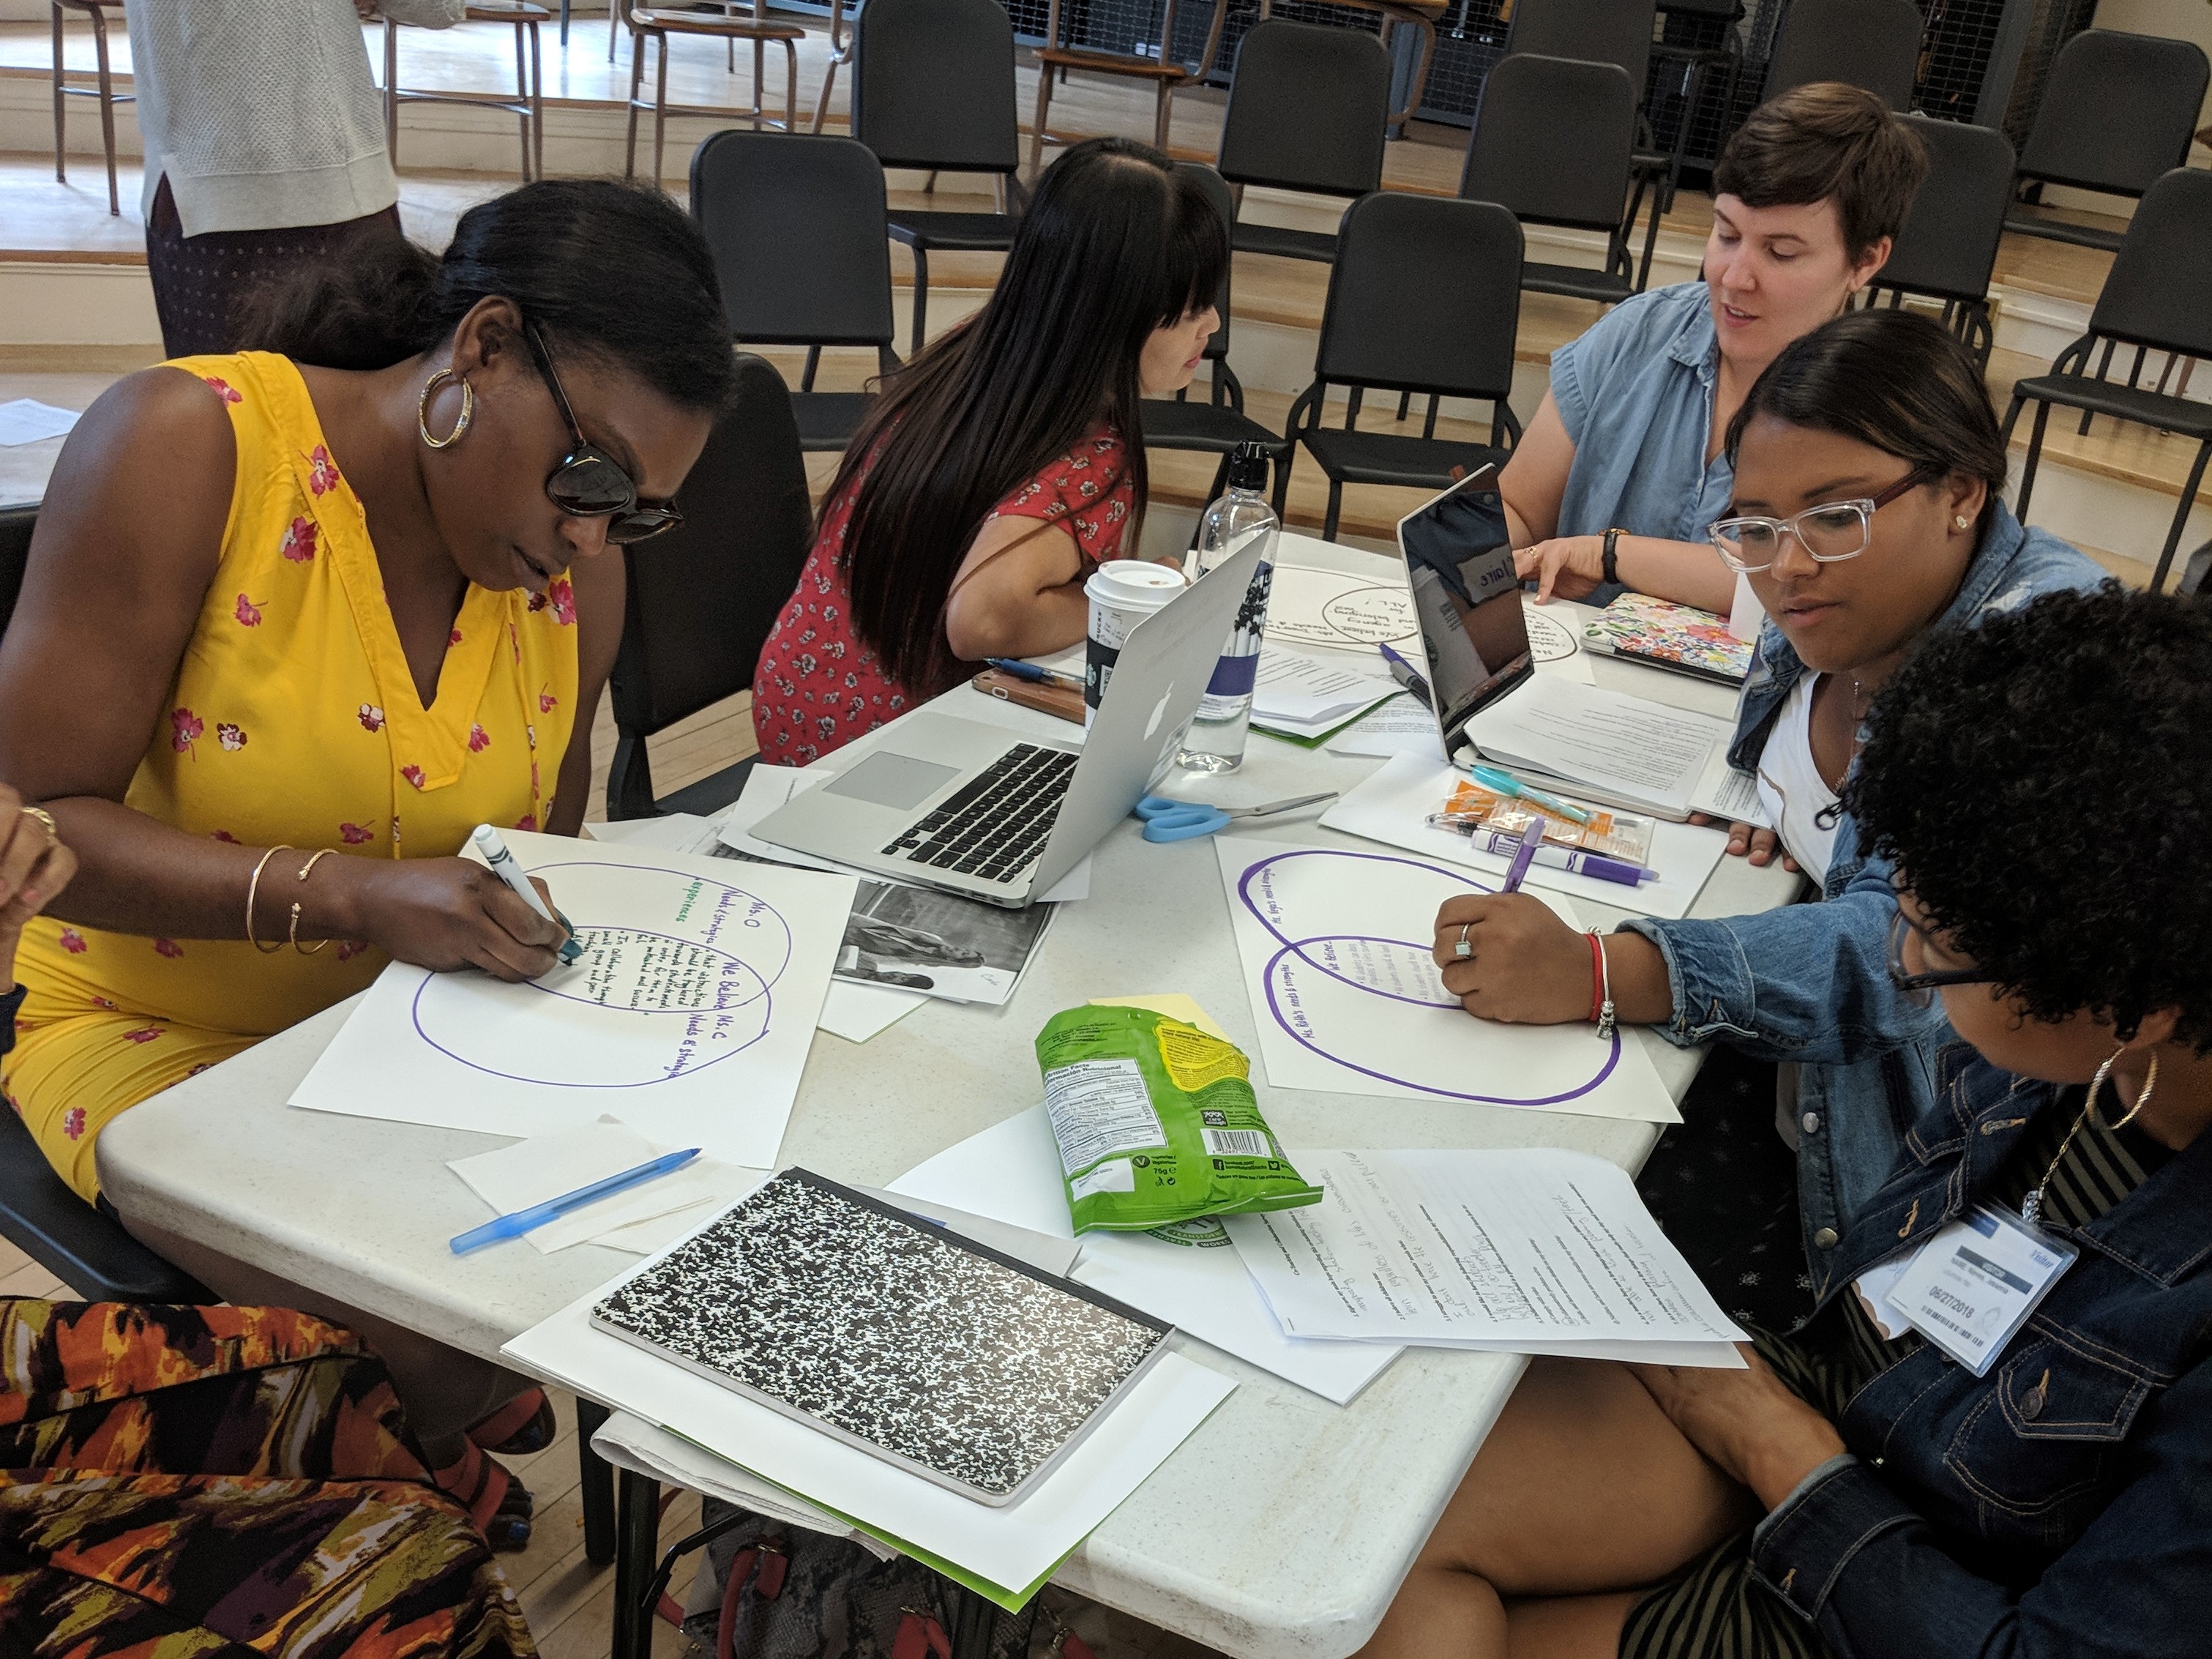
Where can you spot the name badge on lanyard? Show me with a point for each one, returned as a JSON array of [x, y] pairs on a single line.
[[1973, 1285]]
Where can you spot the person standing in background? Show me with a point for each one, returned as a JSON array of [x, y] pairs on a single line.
[[264, 147]]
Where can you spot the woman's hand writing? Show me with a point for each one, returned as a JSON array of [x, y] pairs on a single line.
[[1567, 567], [1524, 966], [1746, 1422], [438, 914], [34, 866]]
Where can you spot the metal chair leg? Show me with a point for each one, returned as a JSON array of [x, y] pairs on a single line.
[[537, 103], [2181, 516], [659, 107], [522, 96], [1163, 114], [61, 104], [637, 85], [391, 92], [790, 87], [822, 103], [920, 300], [107, 107]]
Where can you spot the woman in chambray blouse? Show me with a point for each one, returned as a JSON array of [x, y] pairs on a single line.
[[1807, 198]]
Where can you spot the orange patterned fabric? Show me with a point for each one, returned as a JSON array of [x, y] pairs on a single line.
[[178, 1481]]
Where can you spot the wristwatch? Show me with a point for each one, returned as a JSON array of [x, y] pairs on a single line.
[[1610, 563]]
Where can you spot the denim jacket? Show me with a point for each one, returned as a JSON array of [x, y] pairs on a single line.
[[1808, 982], [2062, 1505]]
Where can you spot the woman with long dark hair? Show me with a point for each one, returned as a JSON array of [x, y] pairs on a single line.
[[1001, 465], [295, 621]]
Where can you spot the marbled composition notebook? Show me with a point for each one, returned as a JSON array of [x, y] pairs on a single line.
[[890, 1332]]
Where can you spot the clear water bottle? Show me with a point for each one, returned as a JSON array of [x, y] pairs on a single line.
[[1215, 742]]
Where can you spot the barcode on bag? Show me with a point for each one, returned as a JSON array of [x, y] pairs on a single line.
[[1237, 1143]]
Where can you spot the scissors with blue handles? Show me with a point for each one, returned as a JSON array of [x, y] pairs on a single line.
[[1185, 820]]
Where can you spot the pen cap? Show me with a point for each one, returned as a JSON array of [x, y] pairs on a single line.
[[487, 841]]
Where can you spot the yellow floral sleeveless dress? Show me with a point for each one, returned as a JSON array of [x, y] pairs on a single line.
[[294, 719]]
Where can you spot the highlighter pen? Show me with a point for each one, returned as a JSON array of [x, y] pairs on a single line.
[[1405, 674], [1032, 673], [1552, 858], [504, 866], [1524, 854], [1505, 783]]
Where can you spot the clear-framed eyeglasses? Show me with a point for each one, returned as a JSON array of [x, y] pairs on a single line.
[[1829, 533]]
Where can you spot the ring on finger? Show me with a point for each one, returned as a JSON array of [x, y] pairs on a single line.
[[1462, 949], [47, 818]]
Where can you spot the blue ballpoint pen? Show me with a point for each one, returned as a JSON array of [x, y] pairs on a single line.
[[521, 1221], [1032, 673], [1505, 783]]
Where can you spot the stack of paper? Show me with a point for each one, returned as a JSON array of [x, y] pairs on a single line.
[[1606, 747], [1526, 1251], [1301, 697]]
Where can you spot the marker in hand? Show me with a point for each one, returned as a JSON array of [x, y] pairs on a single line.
[[503, 866], [1524, 855]]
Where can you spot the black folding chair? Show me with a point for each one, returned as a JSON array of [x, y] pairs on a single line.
[[703, 597], [1947, 246], [1553, 143], [2158, 298], [2117, 114], [1309, 107], [1454, 265], [933, 89], [1874, 44], [797, 230], [1219, 425]]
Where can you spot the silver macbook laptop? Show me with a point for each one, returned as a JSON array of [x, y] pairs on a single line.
[[1459, 559], [970, 807]]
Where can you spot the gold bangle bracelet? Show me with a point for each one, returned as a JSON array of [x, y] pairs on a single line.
[[254, 890], [302, 876]]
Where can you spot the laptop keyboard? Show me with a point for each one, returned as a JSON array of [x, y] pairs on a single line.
[[996, 827]]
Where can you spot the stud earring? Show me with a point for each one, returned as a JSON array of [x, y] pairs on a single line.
[[1962, 520], [422, 410]]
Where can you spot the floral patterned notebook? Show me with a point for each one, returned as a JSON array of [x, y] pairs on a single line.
[[1670, 635], [956, 1362]]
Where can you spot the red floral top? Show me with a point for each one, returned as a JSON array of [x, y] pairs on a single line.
[[818, 687]]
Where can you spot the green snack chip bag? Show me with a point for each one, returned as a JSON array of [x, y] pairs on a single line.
[[1157, 1122]]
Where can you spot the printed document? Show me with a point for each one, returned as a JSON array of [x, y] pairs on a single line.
[[1612, 749], [1531, 1251]]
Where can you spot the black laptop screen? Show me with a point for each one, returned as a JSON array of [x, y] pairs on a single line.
[[1460, 560]]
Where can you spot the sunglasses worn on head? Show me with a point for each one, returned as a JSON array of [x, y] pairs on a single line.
[[590, 483]]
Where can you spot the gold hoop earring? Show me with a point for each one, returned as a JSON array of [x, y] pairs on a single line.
[[2150, 1082], [423, 410]]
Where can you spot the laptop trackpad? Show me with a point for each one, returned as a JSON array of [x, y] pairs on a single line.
[[890, 780]]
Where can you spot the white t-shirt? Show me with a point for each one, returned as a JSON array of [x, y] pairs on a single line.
[[1791, 788]]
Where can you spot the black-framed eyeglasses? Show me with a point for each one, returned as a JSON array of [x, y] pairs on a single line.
[[1920, 988], [590, 483], [1829, 533]]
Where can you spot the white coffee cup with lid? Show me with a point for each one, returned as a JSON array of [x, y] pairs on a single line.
[[1122, 594]]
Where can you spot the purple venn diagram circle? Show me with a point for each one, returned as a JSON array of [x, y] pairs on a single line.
[[647, 1004], [1362, 984]]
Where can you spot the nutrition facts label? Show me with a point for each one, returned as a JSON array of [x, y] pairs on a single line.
[[1099, 1108]]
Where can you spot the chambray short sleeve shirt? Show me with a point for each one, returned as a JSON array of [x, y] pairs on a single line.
[[1636, 393]]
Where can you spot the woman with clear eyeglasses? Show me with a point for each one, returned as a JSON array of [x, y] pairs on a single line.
[[1868, 462]]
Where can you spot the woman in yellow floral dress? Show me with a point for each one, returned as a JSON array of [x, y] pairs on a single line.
[[295, 621]]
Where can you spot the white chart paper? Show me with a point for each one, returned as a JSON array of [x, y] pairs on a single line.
[[1337, 608], [1392, 805], [27, 420], [1336, 946], [1011, 1172], [688, 1017], [1531, 1251], [1292, 688]]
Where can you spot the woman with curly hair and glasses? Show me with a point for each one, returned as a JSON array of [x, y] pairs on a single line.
[[2042, 786]]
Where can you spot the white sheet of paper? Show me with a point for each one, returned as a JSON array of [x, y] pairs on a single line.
[[677, 832], [1550, 640], [767, 787], [526, 1172], [1336, 608], [631, 1442], [1393, 804], [1729, 795], [657, 1233], [688, 1017], [25, 421], [857, 1012], [1648, 754], [1011, 1547], [1335, 945], [1516, 1251], [1012, 1172], [1295, 688], [1405, 726]]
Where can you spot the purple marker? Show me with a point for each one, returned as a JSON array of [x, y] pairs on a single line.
[[1595, 865], [1523, 855]]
